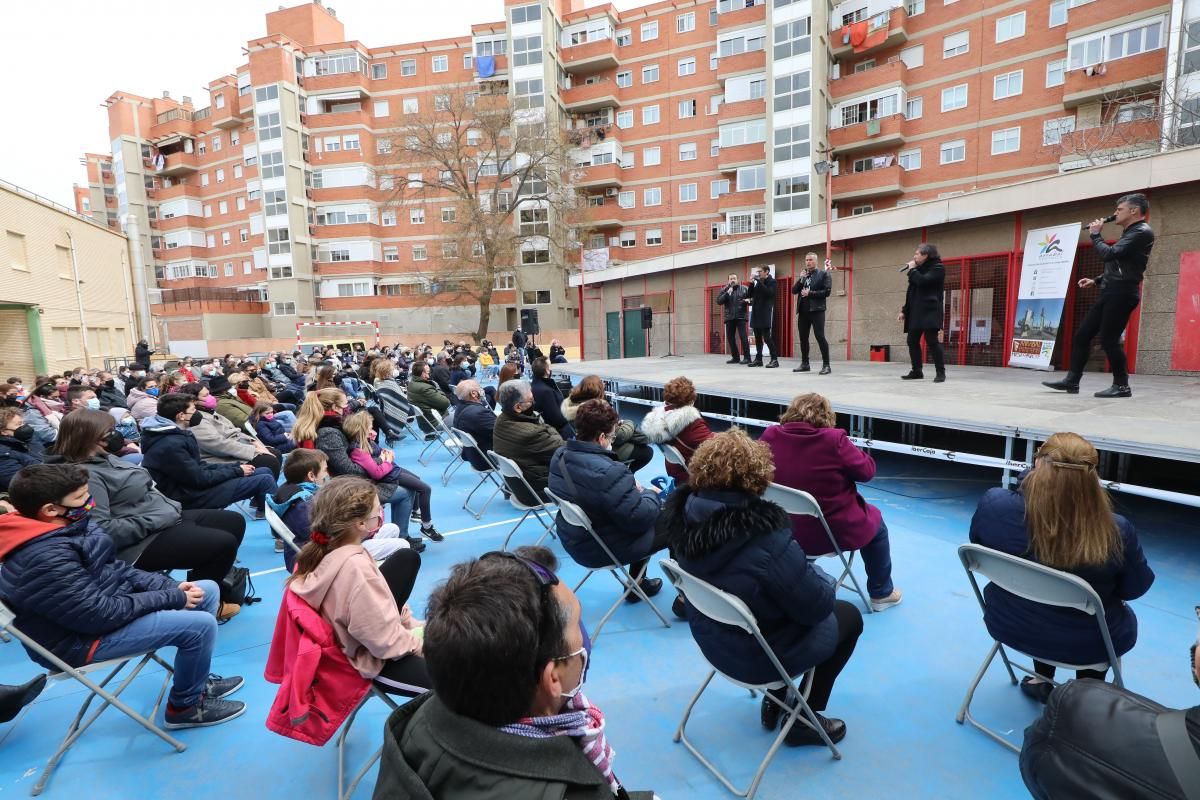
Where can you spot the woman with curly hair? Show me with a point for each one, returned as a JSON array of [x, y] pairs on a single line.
[[677, 422], [723, 532]]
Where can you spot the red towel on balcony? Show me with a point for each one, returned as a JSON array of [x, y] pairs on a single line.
[[858, 34], [875, 37]]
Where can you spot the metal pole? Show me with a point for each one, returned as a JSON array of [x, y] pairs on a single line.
[[138, 268], [87, 356], [829, 208]]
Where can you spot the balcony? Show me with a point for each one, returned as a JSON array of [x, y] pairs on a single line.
[[178, 189], [740, 201], [341, 83], [1110, 141], [227, 117], [1116, 79], [590, 96], [604, 219], [741, 64], [871, 135], [599, 175], [344, 119], [882, 182], [878, 37], [1089, 15], [183, 302], [175, 223], [178, 164], [246, 103], [743, 16], [742, 155], [500, 73], [893, 73], [584, 59], [742, 109]]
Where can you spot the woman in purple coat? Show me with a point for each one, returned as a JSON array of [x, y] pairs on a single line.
[[814, 455]]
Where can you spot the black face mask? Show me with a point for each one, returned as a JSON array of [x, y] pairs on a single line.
[[23, 433], [243, 384], [196, 419], [114, 442]]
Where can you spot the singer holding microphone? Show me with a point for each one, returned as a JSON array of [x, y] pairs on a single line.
[[734, 311], [812, 287], [923, 309], [761, 297], [1120, 292]]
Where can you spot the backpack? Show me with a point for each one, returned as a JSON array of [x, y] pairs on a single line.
[[238, 588]]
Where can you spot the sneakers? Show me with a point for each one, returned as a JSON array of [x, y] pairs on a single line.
[[1036, 690], [431, 533], [802, 734], [415, 543], [651, 586], [415, 515], [279, 545], [755, 363], [884, 603], [260, 514], [209, 711], [220, 688], [228, 611]]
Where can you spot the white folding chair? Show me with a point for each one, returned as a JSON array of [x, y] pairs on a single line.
[[1039, 584], [65, 672], [346, 791], [432, 437], [727, 609], [672, 455], [574, 515], [511, 472], [280, 528], [451, 443], [250, 430], [801, 503], [467, 442]]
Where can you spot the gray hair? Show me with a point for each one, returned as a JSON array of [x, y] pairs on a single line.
[[464, 388], [513, 392]]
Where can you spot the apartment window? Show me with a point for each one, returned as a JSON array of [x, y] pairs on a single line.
[[269, 126], [278, 241], [468, 60], [791, 143], [535, 255], [247, 267], [792, 91], [625, 119], [223, 207], [1056, 72], [534, 222], [216, 144], [742, 42], [793, 38], [284, 309], [914, 107], [391, 254], [650, 73], [440, 63], [909, 160], [685, 22], [956, 44], [650, 115], [449, 214], [378, 71], [1191, 48], [237, 171], [204, 179], [689, 234], [409, 105], [1058, 13], [866, 110], [416, 216], [652, 196], [225, 238], [381, 108], [718, 188], [207, 211], [274, 203], [1133, 112], [687, 192], [628, 239], [527, 50], [1008, 84], [687, 109], [530, 94], [474, 137], [450, 249], [791, 194], [241, 203], [420, 252], [1053, 129], [1110, 46], [625, 79], [687, 66], [860, 210], [915, 7], [1006, 140], [653, 237], [735, 134], [219, 100], [625, 199], [953, 152], [751, 178], [1189, 122], [748, 222], [235, 139], [408, 67], [652, 156], [332, 144], [714, 148], [1010, 27], [649, 31], [624, 38], [954, 98], [864, 66], [383, 146], [913, 57]]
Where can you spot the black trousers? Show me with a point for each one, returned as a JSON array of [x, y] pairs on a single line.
[[850, 627], [931, 344], [735, 330], [1047, 671], [1108, 317], [205, 543], [814, 321], [638, 568], [271, 461], [407, 675], [412, 481], [643, 454], [764, 335]]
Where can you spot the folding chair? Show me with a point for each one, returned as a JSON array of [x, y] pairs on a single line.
[[280, 528], [451, 443], [1040, 584], [511, 472], [432, 437], [249, 429], [467, 442], [398, 419], [574, 515], [727, 609], [672, 455], [797, 502], [65, 672], [345, 792]]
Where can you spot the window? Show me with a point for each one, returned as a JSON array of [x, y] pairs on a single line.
[[652, 196], [689, 234], [747, 222], [687, 192], [383, 146], [216, 144], [530, 94], [685, 22], [535, 255], [539, 297], [219, 100], [1053, 129], [223, 207], [534, 222], [408, 67], [241, 203], [527, 50], [474, 137], [751, 178], [1058, 13], [1191, 48], [247, 267], [441, 63], [204, 178], [624, 38], [243, 235], [625, 79], [530, 13], [1133, 112], [1006, 140], [378, 71], [450, 249], [650, 73], [449, 214], [913, 108], [915, 7], [687, 66], [625, 199], [687, 109], [625, 119], [284, 309], [207, 211], [332, 144], [649, 31], [1109, 46], [652, 156], [913, 57], [381, 108], [237, 171], [1056, 72], [739, 133], [1010, 27], [264, 93], [388, 218], [409, 105], [792, 91], [742, 42], [956, 44], [866, 110], [628, 239], [468, 60], [269, 127], [909, 160], [278, 241], [791, 194], [416, 216], [350, 141], [860, 210], [649, 115], [954, 98], [793, 38], [714, 148], [1008, 84], [653, 237], [420, 253], [953, 152]]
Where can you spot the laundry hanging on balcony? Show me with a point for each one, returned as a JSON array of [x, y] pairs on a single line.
[[485, 66]]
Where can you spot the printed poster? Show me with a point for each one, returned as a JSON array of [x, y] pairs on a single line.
[[1045, 277]]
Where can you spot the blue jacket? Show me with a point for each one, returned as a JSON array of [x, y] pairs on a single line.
[[290, 502], [270, 432], [1058, 634], [14, 455], [479, 421], [743, 545], [172, 457], [68, 589], [607, 492]]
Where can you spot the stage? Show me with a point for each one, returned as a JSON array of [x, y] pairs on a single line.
[[980, 415]]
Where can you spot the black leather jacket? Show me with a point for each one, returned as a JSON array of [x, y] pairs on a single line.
[[1125, 259], [730, 299], [819, 284]]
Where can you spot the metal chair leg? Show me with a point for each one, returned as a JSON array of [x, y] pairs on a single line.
[[508, 538]]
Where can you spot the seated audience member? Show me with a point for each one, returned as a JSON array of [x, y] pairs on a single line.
[[172, 457], [586, 472], [677, 422], [43, 413], [220, 442], [439, 373], [173, 381], [460, 371], [558, 353], [628, 445], [18, 447], [507, 656], [474, 417], [304, 472], [185, 369], [148, 529], [508, 372], [285, 412], [75, 598], [724, 533], [110, 396], [1060, 516], [81, 396], [814, 455], [380, 465], [366, 604], [426, 395], [229, 405], [270, 431], [548, 398], [1094, 735], [519, 434], [143, 398], [392, 400]]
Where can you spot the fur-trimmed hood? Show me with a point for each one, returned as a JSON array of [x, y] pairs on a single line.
[[701, 523], [661, 424]]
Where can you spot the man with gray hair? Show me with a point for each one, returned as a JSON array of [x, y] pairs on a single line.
[[521, 435], [474, 417]]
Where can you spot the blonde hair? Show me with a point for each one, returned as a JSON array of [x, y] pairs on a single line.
[[731, 461], [812, 408], [308, 418], [334, 509], [1067, 511], [383, 369], [357, 428]]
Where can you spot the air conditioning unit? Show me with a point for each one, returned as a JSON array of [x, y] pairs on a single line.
[[612, 191], [614, 241]]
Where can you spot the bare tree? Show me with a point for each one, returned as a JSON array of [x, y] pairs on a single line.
[[1126, 123], [498, 180]]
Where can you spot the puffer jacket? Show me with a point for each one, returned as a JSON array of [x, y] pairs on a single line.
[[547, 401], [271, 433], [426, 396], [529, 442], [234, 410], [623, 445], [172, 457], [220, 442], [141, 405], [290, 502], [333, 443], [591, 477], [68, 589], [682, 427], [743, 545], [15, 455]]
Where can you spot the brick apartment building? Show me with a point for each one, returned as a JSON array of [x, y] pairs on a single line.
[[695, 124]]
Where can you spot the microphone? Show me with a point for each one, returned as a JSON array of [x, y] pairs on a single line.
[[1109, 218], [904, 268]]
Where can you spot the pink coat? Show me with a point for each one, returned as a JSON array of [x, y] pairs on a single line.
[[376, 469], [303, 649], [827, 465]]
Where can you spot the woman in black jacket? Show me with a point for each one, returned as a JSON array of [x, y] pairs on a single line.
[[923, 309], [17, 446], [723, 532]]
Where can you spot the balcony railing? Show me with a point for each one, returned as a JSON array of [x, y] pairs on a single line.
[[885, 29], [594, 56], [869, 135], [878, 182], [854, 83], [591, 96], [1113, 80]]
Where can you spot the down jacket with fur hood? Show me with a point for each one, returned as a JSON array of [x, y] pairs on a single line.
[[682, 427]]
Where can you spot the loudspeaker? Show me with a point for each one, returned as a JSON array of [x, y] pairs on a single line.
[[529, 321], [647, 318]]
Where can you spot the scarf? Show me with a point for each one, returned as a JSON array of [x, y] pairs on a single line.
[[580, 720]]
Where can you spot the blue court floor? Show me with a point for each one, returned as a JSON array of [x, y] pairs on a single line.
[[898, 695]]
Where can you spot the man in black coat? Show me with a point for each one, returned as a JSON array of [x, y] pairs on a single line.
[[732, 301], [811, 289], [440, 375], [475, 418], [142, 353], [1120, 292], [761, 296], [923, 309]]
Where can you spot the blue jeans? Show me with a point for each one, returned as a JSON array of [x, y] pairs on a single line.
[[133, 458], [877, 558], [402, 505], [192, 633], [255, 487]]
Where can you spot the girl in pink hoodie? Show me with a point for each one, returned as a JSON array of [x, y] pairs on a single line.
[[366, 604]]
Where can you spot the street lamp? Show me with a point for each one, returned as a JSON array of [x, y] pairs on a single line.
[[826, 168]]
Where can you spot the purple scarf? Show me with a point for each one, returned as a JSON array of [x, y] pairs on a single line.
[[580, 720]]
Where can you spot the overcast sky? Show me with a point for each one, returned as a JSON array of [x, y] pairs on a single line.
[[65, 57]]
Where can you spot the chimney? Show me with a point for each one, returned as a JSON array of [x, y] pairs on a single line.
[[187, 101], [166, 95], [332, 12]]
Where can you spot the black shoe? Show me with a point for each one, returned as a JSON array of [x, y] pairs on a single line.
[[825, 370], [679, 607], [1036, 690], [746, 361], [431, 533], [415, 514], [219, 687], [773, 363], [940, 377], [801, 734], [734, 360], [912, 375], [804, 367], [260, 514], [1115, 391], [768, 715], [415, 544], [14, 698], [1065, 385], [209, 711], [651, 586], [755, 363]]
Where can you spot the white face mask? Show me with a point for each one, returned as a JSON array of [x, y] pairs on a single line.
[[582, 673]]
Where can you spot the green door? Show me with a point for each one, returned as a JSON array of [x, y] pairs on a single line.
[[635, 336], [612, 322]]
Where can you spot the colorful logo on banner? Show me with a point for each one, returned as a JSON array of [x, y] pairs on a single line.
[[1045, 276], [1050, 245]]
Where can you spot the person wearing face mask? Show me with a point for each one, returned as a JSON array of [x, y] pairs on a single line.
[[220, 442], [143, 398], [304, 472], [507, 717], [136, 373], [18, 447], [520, 434], [43, 413], [110, 396], [1097, 741], [79, 397], [229, 405], [425, 394]]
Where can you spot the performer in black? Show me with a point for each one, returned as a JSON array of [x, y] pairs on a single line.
[[812, 287], [1120, 292], [734, 312], [761, 297], [924, 306]]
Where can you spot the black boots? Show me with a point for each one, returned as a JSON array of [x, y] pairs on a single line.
[[825, 370], [1069, 384], [804, 367], [1113, 391], [733, 360], [755, 363], [773, 363], [14, 698], [940, 377], [913, 375]]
